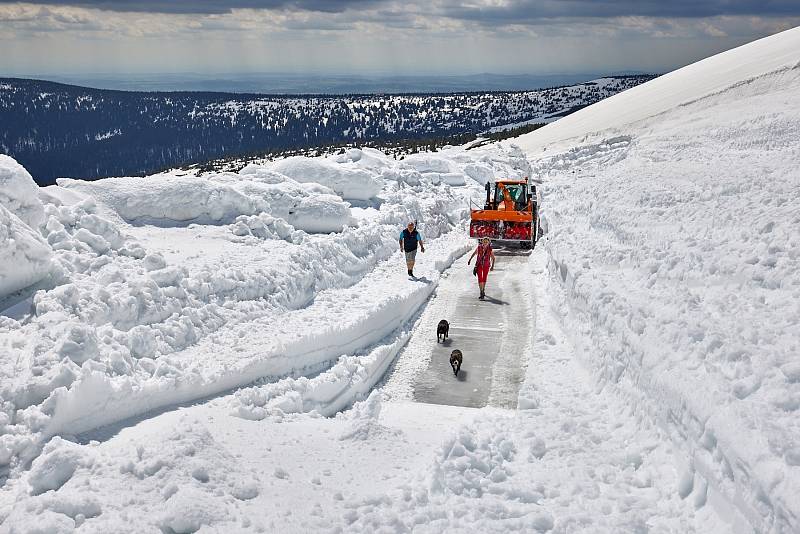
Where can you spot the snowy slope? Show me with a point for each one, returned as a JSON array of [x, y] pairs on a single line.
[[678, 88], [673, 212]]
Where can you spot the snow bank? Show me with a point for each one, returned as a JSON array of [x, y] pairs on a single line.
[[365, 158], [350, 182], [426, 163], [19, 194], [168, 199], [352, 377], [26, 256], [344, 321], [227, 198], [673, 240], [349, 380]]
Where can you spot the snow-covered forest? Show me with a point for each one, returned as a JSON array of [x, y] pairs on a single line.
[[58, 130]]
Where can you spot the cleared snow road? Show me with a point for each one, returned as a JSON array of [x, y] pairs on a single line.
[[491, 334]]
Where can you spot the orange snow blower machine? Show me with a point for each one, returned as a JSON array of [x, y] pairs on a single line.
[[510, 214]]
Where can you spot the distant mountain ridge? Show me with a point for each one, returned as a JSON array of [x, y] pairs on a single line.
[[57, 130]]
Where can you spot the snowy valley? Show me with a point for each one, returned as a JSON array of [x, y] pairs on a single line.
[[243, 351]]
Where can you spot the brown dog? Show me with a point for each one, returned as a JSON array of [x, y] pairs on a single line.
[[455, 361], [442, 330]]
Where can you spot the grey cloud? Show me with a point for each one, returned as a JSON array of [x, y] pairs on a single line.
[[207, 7], [519, 11], [528, 11]]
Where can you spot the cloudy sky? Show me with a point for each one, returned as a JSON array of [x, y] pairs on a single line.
[[377, 36]]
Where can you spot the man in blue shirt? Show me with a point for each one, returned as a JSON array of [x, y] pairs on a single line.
[[408, 244]]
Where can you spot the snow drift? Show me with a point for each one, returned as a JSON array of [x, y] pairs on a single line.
[[19, 193], [351, 182], [673, 213], [26, 256], [168, 200]]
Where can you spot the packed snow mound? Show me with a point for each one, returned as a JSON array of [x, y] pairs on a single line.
[[60, 196], [168, 199], [264, 176], [683, 86], [19, 194], [674, 240], [348, 181], [320, 214], [26, 255], [365, 158], [310, 207], [426, 163]]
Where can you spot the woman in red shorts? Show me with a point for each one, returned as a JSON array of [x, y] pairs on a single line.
[[483, 264]]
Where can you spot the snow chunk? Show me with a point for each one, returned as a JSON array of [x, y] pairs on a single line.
[[449, 178], [350, 182], [46, 522], [471, 460], [79, 343], [320, 214], [366, 158], [263, 226], [364, 419], [427, 163], [479, 172], [56, 465], [19, 193], [189, 509], [26, 256]]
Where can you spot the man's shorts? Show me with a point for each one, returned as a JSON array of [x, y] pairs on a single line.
[[411, 255]]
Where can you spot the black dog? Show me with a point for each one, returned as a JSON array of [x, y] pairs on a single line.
[[442, 330], [455, 361]]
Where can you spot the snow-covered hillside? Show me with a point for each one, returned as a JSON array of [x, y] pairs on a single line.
[[673, 213]]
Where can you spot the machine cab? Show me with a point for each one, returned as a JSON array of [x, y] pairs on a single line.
[[508, 196]]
